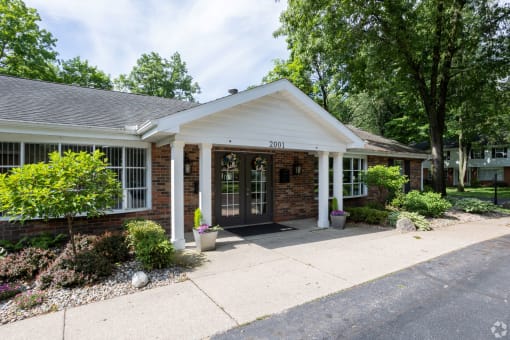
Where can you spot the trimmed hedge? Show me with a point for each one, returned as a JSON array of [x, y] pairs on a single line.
[[428, 203], [367, 215], [151, 245]]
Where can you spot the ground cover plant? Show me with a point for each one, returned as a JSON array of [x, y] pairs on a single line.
[[429, 204], [475, 206], [419, 221]]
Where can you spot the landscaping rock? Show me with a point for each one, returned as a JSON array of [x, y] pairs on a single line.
[[405, 225], [139, 280]]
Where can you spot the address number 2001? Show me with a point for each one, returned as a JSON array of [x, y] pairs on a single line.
[[275, 144]]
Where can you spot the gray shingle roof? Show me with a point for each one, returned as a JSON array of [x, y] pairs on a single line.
[[44, 102], [383, 145]]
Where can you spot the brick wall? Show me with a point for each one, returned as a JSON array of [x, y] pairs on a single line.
[[160, 211]]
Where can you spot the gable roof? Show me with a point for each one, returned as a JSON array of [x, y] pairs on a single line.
[[376, 144], [35, 101], [282, 88]]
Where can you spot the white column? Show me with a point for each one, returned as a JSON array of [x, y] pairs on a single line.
[[205, 197], [323, 221], [177, 194], [338, 178]]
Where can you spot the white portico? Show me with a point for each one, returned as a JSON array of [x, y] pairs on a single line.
[[273, 117]]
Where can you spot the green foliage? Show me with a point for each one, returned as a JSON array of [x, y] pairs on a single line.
[[41, 241], [401, 61], [78, 72], [295, 71], [29, 300], [25, 49], [156, 76], [334, 204], [475, 206], [25, 264], [427, 204], [151, 246], [113, 247], [367, 215], [197, 218], [419, 221], [76, 183], [387, 179]]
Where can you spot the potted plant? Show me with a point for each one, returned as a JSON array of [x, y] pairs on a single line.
[[205, 235], [337, 216]]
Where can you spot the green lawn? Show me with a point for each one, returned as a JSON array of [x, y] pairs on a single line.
[[481, 193]]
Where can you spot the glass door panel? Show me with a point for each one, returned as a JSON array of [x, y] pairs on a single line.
[[230, 186]]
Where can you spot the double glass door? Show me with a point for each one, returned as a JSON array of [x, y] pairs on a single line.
[[243, 188]]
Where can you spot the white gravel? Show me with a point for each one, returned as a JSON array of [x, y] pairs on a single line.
[[117, 284]]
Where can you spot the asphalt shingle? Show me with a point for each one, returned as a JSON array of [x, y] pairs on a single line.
[[37, 101]]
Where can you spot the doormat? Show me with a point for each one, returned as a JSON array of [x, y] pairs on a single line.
[[259, 229]]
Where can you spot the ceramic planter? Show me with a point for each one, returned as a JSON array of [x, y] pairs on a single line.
[[205, 241], [338, 221]]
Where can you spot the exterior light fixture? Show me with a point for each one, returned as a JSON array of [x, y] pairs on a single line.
[[297, 167], [187, 165]]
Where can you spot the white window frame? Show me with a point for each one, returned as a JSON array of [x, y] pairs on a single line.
[[364, 190], [94, 143]]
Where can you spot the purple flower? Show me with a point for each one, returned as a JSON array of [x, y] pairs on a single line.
[[203, 228], [337, 213]]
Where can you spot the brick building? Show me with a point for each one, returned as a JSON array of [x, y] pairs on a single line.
[[265, 154]]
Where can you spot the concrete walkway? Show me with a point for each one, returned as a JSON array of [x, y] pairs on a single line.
[[247, 279]]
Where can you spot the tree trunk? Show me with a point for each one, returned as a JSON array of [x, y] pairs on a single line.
[[436, 145], [464, 149], [71, 233]]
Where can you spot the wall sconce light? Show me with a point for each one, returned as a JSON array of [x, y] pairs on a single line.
[[297, 167], [187, 165]]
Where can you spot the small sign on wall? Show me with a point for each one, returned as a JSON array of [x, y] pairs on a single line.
[[284, 175]]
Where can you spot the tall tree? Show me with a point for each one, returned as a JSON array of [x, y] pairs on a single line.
[[417, 43], [78, 72], [25, 49], [157, 76]]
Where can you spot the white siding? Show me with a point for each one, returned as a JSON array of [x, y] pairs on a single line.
[[260, 122]]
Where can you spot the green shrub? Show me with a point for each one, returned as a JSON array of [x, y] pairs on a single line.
[[427, 204], [474, 205], [387, 179], [28, 300], [419, 221], [152, 247], [113, 247], [197, 218], [25, 264], [367, 215]]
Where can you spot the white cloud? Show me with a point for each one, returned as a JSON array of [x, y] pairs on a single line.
[[225, 44]]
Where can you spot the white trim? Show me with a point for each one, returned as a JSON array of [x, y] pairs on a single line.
[[171, 124], [323, 205], [177, 194], [20, 127], [205, 182], [35, 137]]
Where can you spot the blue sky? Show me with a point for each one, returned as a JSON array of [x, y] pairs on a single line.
[[225, 43]]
